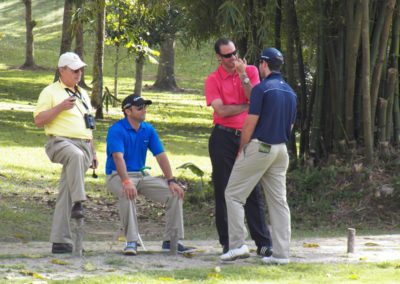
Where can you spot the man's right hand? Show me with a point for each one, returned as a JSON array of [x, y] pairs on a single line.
[[68, 103], [129, 190]]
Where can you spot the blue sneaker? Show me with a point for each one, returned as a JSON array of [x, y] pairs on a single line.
[[166, 246], [131, 248]]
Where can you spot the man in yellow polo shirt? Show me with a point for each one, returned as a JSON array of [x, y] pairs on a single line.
[[64, 110]]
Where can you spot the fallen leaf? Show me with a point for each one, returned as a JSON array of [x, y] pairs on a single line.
[[370, 244], [310, 245], [58, 261]]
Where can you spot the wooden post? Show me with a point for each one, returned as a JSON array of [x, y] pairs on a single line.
[[78, 246], [351, 235], [173, 241]]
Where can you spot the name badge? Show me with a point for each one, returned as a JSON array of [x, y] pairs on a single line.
[[264, 148]]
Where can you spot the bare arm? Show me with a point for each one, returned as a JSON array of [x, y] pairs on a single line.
[[240, 65], [228, 110], [248, 130], [128, 187], [45, 117], [165, 166]]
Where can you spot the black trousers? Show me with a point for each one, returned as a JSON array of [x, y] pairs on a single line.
[[223, 147]]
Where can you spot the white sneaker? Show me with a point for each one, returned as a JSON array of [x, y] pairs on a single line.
[[274, 260], [233, 254]]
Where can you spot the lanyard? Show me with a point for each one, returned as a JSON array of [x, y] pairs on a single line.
[[77, 95]]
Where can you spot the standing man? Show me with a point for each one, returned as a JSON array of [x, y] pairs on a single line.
[[263, 157], [227, 90], [127, 143], [64, 110]]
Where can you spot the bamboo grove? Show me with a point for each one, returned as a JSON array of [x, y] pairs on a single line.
[[340, 56]]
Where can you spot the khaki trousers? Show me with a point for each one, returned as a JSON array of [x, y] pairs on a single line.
[[270, 169], [152, 188], [75, 155]]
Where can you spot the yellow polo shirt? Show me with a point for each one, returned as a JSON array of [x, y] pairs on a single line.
[[68, 123]]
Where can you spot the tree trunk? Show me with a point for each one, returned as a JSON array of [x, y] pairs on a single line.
[[116, 64], [29, 48], [394, 63], [353, 32], [396, 116], [139, 74], [382, 106], [166, 69], [316, 107], [365, 81], [278, 23], [79, 46], [390, 90], [289, 68], [97, 92], [304, 131], [377, 71], [66, 34]]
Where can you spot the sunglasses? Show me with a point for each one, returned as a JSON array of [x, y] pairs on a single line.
[[139, 108], [228, 55]]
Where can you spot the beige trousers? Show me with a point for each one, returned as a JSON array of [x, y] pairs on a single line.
[[75, 156], [152, 188], [270, 169]]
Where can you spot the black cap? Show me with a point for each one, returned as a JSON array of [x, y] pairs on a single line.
[[272, 54], [134, 100]]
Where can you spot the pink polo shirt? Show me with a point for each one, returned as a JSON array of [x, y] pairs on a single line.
[[228, 87]]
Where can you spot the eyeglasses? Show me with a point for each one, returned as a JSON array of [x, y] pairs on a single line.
[[228, 55], [75, 71]]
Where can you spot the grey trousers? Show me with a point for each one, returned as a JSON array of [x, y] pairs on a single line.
[[270, 169], [75, 155], [152, 188]]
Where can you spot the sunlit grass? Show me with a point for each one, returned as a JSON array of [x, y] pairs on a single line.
[[292, 273]]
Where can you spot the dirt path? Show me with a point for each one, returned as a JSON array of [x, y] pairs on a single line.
[[33, 259]]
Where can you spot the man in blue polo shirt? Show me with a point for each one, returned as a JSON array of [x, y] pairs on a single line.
[[263, 158], [127, 143]]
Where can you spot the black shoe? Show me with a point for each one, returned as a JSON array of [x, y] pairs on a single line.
[[166, 246], [61, 248], [264, 251], [77, 211]]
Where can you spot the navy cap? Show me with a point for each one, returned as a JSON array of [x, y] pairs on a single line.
[[272, 54], [134, 100]]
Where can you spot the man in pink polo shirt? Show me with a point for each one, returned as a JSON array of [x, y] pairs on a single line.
[[227, 91]]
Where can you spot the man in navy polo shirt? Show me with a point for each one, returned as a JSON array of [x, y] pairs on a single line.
[[263, 158], [127, 143]]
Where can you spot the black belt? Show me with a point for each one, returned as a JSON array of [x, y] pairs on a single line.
[[229, 129]]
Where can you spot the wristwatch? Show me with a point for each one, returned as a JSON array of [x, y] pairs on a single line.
[[246, 80]]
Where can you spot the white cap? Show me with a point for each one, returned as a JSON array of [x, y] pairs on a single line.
[[71, 60]]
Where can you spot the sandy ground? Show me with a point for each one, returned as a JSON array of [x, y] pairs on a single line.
[[34, 260]]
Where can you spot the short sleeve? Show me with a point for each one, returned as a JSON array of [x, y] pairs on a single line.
[[256, 100], [44, 102], [252, 73], [115, 140], [212, 89], [155, 144]]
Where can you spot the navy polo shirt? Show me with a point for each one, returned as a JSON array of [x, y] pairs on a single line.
[[274, 101], [121, 137]]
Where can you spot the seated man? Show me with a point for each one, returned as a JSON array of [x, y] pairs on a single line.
[[127, 143]]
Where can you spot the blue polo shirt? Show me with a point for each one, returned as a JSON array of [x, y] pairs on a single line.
[[121, 137], [275, 102]]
